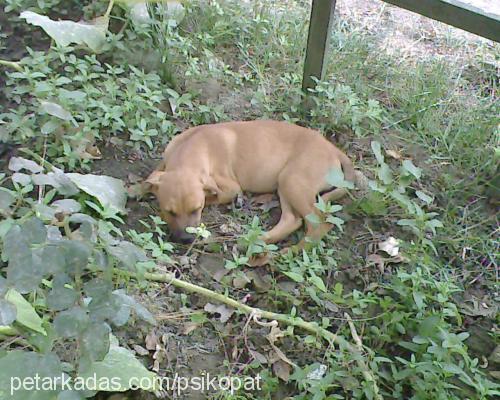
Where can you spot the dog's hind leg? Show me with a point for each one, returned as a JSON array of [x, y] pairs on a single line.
[[287, 224], [302, 199]]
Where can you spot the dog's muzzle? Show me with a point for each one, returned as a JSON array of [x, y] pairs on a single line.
[[183, 237]]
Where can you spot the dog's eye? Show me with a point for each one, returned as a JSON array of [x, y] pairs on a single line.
[[173, 214]]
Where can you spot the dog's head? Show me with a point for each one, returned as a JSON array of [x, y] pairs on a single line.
[[181, 197]]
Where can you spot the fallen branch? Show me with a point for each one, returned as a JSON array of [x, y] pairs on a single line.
[[359, 345], [256, 313], [8, 331], [11, 64]]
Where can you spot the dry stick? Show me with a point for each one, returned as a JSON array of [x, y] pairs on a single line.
[[359, 345], [110, 7], [311, 327], [11, 64]]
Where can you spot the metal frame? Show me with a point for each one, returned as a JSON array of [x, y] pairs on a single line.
[[452, 12]]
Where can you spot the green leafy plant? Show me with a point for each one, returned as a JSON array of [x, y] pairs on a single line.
[[49, 248]]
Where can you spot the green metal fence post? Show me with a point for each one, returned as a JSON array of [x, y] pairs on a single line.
[[317, 41]]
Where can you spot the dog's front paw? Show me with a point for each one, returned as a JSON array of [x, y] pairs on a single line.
[[260, 260]]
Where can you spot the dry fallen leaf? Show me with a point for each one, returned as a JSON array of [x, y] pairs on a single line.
[[133, 178], [261, 281], [262, 198], [225, 312], [151, 341], [378, 261], [390, 246], [261, 358], [265, 201], [260, 260], [275, 334], [282, 370], [140, 350], [189, 327], [394, 154], [240, 282]]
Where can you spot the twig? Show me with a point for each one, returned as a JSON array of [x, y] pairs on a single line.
[[359, 346], [110, 7], [257, 313], [44, 163], [8, 331], [11, 64], [41, 187]]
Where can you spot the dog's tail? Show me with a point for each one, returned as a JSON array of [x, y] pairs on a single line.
[[349, 175]]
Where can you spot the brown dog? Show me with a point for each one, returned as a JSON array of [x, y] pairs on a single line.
[[211, 164]]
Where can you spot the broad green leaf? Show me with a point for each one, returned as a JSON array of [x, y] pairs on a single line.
[[50, 126], [377, 151], [374, 204], [409, 167], [335, 177], [61, 297], [404, 200], [318, 282], [108, 190], [313, 218], [55, 110], [338, 222], [424, 197], [18, 365], [14, 243], [76, 95], [120, 365], [407, 222], [66, 206], [122, 311], [6, 199], [70, 394], [385, 174], [76, 254], [95, 340], [58, 180], [23, 272], [18, 163], [21, 179], [139, 309], [373, 185], [452, 369], [3, 286], [66, 32], [128, 253], [419, 299], [433, 224], [429, 327], [5, 226], [294, 276], [71, 323], [53, 260], [7, 313], [34, 231], [26, 314], [98, 287]]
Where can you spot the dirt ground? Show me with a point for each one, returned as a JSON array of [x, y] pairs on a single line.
[[410, 34], [413, 36]]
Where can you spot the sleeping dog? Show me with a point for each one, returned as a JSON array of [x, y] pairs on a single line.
[[211, 164]]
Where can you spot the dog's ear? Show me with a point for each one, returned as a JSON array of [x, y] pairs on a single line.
[[153, 180], [210, 187]]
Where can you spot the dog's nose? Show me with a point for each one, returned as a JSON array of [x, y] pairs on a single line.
[[183, 237]]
